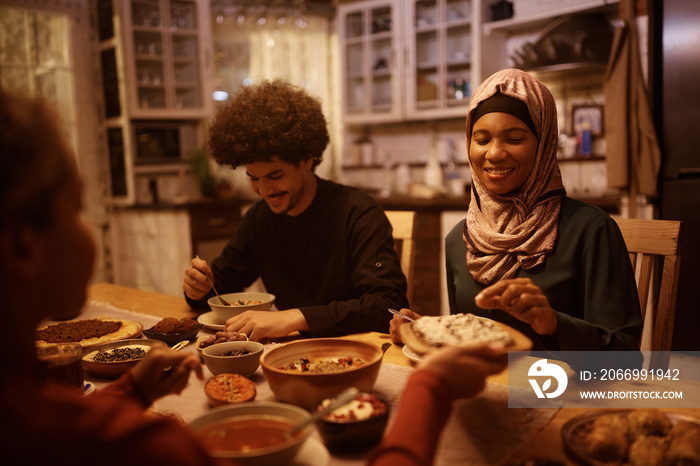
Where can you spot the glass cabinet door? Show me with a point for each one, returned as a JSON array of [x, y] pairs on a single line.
[[439, 57], [371, 66], [166, 54]]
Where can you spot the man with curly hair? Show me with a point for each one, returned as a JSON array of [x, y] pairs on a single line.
[[323, 249]]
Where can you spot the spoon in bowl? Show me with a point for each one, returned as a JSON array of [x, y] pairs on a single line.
[[222, 300], [344, 398]]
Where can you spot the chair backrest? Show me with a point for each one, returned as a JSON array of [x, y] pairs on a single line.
[[402, 222], [649, 241]]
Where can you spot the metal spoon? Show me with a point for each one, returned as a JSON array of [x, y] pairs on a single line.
[[222, 300], [176, 347], [344, 398], [397, 313]]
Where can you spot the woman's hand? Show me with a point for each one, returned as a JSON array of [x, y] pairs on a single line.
[[464, 369], [164, 371], [265, 324], [397, 322], [196, 285], [522, 299]]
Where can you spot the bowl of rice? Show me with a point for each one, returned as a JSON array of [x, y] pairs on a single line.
[[305, 372]]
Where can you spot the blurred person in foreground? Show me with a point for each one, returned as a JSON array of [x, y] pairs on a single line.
[[443, 376], [323, 249], [46, 255], [529, 256]]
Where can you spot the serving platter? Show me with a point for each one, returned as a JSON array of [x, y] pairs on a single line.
[[574, 432], [520, 342], [129, 329]]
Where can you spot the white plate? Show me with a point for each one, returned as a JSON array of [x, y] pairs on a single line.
[[209, 320], [312, 453], [410, 354]]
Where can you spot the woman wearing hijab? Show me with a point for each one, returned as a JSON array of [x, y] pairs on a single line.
[[527, 255]]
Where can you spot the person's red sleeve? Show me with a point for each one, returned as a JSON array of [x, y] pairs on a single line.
[[415, 431]]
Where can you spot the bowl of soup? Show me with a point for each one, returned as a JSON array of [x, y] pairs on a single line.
[[253, 434]]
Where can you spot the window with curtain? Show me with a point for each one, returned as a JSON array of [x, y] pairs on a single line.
[[35, 59], [253, 43]]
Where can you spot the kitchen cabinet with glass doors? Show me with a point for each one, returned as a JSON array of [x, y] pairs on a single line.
[[165, 44], [156, 74], [406, 60], [439, 60], [372, 61]]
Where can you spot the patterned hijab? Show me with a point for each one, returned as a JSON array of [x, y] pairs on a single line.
[[506, 232]]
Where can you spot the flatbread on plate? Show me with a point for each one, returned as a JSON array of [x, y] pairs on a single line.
[[64, 332], [431, 332]]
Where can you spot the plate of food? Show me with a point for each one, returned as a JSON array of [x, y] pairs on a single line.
[[430, 332], [111, 360], [88, 332], [172, 330], [624, 436]]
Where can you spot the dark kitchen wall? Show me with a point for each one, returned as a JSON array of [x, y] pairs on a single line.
[[675, 83]]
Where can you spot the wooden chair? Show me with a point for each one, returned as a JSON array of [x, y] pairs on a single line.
[[403, 221], [650, 241]]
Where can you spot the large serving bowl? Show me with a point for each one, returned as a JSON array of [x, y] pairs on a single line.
[[218, 362], [341, 431], [249, 416], [307, 389], [240, 303], [114, 369]]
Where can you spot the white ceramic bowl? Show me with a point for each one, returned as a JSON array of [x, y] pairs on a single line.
[[279, 454], [223, 313], [245, 365]]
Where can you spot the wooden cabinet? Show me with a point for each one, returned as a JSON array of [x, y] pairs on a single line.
[[405, 60], [372, 60], [165, 50], [439, 50], [156, 76], [426, 65]]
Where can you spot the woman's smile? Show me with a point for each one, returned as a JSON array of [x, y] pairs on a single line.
[[502, 151], [498, 171]]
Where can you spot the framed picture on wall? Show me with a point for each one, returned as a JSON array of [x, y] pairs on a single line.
[[588, 116]]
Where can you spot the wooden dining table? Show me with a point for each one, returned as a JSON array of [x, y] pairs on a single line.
[[544, 446]]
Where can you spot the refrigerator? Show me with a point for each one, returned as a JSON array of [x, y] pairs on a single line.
[[675, 85]]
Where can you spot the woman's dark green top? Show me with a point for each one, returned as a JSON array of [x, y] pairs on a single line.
[[587, 278]]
